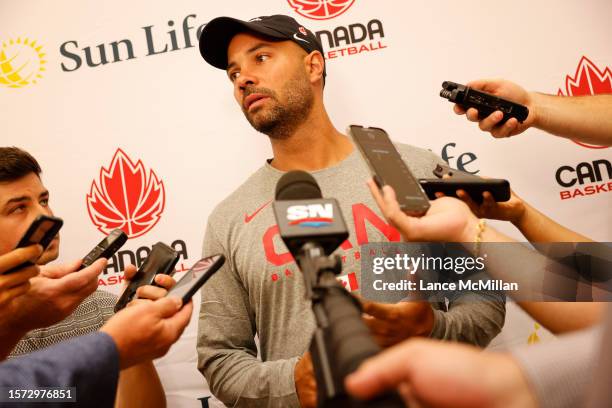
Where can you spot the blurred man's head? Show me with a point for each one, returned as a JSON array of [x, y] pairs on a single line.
[[275, 65], [23, 197]]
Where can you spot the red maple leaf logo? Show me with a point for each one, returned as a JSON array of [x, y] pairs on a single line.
[[588, 80], [320, 9], [126, 197]]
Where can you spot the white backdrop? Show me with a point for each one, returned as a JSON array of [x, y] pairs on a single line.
[[177, 115]]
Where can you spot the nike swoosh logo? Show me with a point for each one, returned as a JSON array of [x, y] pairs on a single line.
[[300, 39], [248, 218]]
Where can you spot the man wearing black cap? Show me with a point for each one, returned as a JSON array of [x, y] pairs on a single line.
[[277, 70]]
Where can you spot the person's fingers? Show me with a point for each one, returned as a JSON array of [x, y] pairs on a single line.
[[371, 322], [18, 278], [488, 202], [376, 194], [506, 129], [180, 320], [472, 115], [375, 309], [84, 279], [458, 109], [465, 197], [165, 281], [409, 226], [9, 294], [383, 372], [488, 123], [485, 85], [166, 306], [389, 199], [151, 292], [19, 256], [129, 271], [138, 302], [392, 211], [58, 271]]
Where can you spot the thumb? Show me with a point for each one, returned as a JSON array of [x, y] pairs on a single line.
[[485, 85], [19, 256], [129, 271], [382, 372], [167, 306], [58, 271], [180, 320]]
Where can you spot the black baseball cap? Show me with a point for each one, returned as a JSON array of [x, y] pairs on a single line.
[[218, 33]]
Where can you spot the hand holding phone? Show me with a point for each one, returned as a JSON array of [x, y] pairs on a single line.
[[42, 231], [197, 276], [161, 260], [388, 168]]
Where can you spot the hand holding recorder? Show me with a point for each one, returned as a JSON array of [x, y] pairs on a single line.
[[494, 122]]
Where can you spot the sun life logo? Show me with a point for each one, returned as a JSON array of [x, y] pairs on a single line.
[[21, 62]]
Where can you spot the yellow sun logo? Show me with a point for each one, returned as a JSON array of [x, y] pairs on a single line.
[[21, 63]]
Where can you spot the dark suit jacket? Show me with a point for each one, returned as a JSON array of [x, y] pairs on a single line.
[[89, 363]]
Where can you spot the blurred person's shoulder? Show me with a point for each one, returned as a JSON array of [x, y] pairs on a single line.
[[88, 317]]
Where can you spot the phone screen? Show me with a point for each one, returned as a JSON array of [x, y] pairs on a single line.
[[195, 277], [389, 168]]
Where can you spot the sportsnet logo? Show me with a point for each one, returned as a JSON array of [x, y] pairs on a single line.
[[126, 197], [320, 9], [311, 216], [588, 80]]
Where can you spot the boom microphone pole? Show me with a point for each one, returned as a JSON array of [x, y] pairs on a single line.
[[312, 228]]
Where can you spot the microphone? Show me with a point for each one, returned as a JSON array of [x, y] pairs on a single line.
[[312, 228], [304, 216]]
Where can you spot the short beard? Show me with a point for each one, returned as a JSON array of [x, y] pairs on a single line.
[[282, 119]]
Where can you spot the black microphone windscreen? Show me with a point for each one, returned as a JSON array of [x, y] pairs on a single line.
[[297, 185]]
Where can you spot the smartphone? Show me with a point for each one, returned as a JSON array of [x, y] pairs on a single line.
[[499, 188], [42, 231], [197, 276], [388, 168], [161, 260], [106, 248]]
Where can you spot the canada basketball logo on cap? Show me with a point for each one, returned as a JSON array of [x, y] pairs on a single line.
[[588, 80], [320, 9], [126, 197]]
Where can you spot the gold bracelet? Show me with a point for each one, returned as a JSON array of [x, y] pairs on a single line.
[[482, 224]]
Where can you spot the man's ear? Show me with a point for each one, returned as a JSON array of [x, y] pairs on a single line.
[[315, 65]]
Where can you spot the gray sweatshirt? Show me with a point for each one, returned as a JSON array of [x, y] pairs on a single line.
[[574, 370], [260, 290], [560, 371]]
